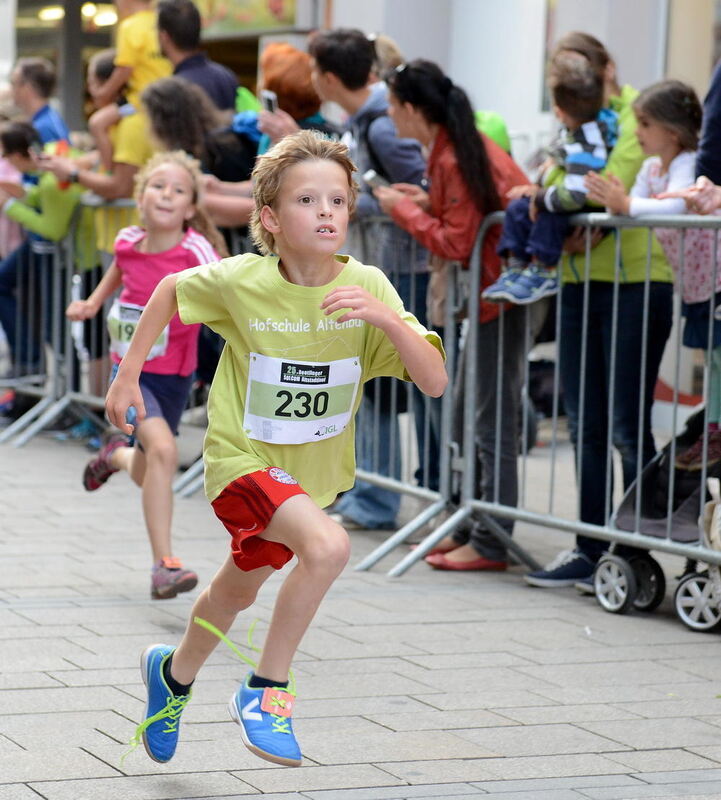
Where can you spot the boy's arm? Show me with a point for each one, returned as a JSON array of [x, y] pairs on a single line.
[[54, 212], [107, 92], [124, 390], [422, 361]]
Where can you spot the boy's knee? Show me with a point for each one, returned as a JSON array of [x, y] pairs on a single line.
[[165, 453], [330, 549], [230, 599]]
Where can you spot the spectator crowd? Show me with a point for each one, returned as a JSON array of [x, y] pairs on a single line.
[[172, 129]]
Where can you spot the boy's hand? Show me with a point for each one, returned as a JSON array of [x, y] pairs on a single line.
[[80, 310], [609, 191], [122, 394], [419, 196], [362, 305], [60, 166], [388, 197], [701, 198], [529, 190]]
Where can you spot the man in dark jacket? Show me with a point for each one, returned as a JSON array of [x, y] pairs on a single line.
[[179, 34], [342, 73]]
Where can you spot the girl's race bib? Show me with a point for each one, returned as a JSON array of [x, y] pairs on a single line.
[[122, 321]]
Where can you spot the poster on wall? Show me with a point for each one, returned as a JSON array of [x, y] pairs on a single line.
[[224, 18]]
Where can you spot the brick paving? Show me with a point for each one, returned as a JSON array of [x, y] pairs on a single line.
[[434, 685]]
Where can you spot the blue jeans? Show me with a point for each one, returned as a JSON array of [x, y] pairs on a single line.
[[25, 286], [628, 386], [524, 239], [372, 506]]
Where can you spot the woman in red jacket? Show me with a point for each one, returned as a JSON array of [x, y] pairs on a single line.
[[469, 176]]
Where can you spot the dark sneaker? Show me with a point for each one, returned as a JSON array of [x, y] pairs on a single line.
[[500, 291], [585, 586], [159, 729], [169, 578], [533, 284], [568, 568], [265, 724], [99, 469]]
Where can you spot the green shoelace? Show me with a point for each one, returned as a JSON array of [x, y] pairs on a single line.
[[174, 706]]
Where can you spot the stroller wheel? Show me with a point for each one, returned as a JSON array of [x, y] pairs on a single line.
[[650, 580], [696, 604], [615, 584]]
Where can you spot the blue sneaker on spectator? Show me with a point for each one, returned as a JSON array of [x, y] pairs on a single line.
[[533, 284], [566, 569], [500, 291], [264, 719], [159, 729]]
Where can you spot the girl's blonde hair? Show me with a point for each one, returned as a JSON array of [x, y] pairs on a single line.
[[270, 168], [200, 221]]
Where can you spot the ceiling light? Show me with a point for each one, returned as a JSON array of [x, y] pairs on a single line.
[[51, 13]]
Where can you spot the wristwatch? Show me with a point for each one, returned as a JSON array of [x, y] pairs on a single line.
[[73, 176]]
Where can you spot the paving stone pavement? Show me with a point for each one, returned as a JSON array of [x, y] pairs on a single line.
[[433, 685]]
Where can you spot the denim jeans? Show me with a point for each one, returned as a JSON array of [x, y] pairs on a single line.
[[628, 386], [369, 505], [25, 284], [513, 356], [525, 239]]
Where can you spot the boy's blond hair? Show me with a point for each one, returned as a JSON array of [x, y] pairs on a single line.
[[270, 168], [200, 221]]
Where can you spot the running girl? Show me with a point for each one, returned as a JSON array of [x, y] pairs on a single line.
[[175, 235]]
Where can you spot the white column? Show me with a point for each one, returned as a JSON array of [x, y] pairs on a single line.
[[7, 37]]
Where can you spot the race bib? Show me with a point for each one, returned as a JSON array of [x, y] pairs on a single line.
[[294, 402], [122, 322]]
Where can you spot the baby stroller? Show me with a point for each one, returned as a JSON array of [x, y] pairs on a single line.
[[629, 577]]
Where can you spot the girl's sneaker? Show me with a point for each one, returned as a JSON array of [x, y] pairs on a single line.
[[500, 291], [99, 469], [265, 724], [170, 577]]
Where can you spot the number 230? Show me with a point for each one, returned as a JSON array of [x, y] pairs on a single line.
[[318, 404]]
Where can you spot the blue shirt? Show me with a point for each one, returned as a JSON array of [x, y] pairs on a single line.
[[219, 82], [50, 125]]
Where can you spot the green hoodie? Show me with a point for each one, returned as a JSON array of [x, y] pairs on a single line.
[[624, 162], [48, 210]]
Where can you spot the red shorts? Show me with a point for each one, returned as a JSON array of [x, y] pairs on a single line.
[[246, 507]]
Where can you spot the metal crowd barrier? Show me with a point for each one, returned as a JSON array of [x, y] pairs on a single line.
[[628, 524], [78, 379]]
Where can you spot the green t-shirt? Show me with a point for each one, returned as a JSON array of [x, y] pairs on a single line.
[[289, 379]]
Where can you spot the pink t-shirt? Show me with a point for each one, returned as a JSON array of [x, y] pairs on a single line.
[[142, 272]]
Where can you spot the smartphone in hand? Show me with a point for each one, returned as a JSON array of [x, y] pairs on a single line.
[[269, 100], [372, 178]]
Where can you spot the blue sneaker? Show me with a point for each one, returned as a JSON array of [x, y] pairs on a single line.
[[500, 291], [533, 284], [159, 729], [585, 586], [567, 569], [265, 725]]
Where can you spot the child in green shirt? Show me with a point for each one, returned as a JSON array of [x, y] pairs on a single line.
[[304, 328]]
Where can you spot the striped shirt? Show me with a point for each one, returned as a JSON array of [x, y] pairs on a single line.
[[577, 153]]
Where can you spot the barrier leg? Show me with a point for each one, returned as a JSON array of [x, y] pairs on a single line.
[[510, 543], [191, 488], [433, 538], [22, 422], [57, 407], [190, 474], [400, 536]]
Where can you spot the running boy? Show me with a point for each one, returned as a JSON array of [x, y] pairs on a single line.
[[304, 328]]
